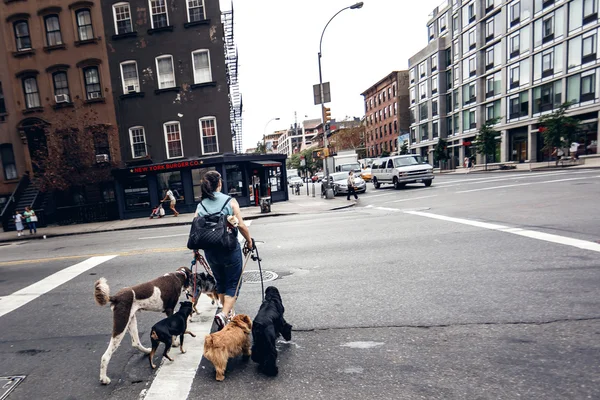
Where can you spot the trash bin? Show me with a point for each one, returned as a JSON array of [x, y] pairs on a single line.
[[265, 204]]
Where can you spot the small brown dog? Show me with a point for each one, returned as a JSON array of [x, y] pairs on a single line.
[[231, 341]]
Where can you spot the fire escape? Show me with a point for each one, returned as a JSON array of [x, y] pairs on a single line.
[[235, 97]]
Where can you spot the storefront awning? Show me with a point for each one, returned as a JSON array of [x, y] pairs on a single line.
[[267, 163]]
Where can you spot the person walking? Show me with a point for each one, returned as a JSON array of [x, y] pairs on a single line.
[[169, 195], [225, 265], [18, 222], [31, 220], [351, 187]]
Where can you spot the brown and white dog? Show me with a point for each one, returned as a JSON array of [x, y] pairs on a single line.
[[160, 294]]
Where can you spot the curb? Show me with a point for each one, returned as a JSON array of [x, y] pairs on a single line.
[[48, 236]]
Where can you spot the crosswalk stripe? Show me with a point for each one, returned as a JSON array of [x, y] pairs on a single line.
[[21, 297]]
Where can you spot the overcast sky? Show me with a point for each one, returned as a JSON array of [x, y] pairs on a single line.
[[278, 43]]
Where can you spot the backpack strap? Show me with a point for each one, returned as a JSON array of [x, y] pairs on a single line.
[[220, 211], [225, 205]]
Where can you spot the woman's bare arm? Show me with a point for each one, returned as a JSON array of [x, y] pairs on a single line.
[[242, 226]]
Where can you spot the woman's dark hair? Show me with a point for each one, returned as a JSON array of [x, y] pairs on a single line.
[[209, 184]]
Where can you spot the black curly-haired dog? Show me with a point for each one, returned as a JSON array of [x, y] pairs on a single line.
[[267, 326]]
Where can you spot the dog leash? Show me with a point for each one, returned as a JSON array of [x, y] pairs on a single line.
[[250, 254]]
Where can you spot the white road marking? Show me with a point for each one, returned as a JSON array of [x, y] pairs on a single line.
[[21, 297], [564, 240], [414, 198], [515, 177], [174, 379], [521, 184]]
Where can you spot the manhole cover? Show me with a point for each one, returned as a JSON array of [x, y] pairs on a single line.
[[8, 384], [254, 277]]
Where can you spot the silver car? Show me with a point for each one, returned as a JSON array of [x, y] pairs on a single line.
[[339, 180]]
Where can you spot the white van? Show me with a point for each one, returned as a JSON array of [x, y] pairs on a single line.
[[401, 170]]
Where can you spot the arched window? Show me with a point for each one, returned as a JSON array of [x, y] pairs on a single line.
[[22, 36], [122, 15], [53, 35]]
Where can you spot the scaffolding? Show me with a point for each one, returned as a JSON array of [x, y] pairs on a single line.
[[235, 97]]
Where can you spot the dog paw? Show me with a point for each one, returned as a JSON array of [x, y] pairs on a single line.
[[105, 380], [153, 366]]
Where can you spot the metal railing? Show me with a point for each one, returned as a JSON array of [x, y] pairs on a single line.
[[87, 213], [9, 207]]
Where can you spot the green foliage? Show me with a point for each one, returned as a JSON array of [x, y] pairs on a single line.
[[486, 138], [557, 129], [404, 148], [440, 152], [312, 165], [260, 148], [385, 153]]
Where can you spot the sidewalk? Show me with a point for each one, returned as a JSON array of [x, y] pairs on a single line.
[[302, 204], [592, 162]]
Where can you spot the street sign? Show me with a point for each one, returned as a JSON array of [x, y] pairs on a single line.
[[326, 93], [327, 127], [303, 163]]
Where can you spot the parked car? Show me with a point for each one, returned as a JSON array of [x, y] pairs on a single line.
[[401, 170], [339, 182], [295, 180]]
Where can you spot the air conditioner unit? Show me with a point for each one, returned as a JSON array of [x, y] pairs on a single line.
[[95, 95], [101, 158], [131, 89], [61, 98]]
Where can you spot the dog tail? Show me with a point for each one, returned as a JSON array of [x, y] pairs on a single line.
[[101, 292]]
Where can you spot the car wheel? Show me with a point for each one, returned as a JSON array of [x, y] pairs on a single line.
[[376, 184], [428, 182], [396, 183]]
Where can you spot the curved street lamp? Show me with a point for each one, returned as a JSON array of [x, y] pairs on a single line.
[[329, 191], [265, 132]]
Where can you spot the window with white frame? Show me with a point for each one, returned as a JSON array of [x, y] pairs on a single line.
[[514, 76], [515, 45], [590, 12], [173, 139], [434, 62], [431, 32], [443, 22], [201, 61], [85, 29], [588, 48], [434, 84], [411, 75], [547, 63], [166, 72], [423, 90], [489, 29], [122, 15], [196, 11], [422, 69], [130, 78], [412, 95], [208, 133], [159, 16], [472, 66], [548, 29], [137, 138], [515, 13], [472, 39]]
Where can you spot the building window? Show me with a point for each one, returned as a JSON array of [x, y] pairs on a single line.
[[434, 108], [434, 85], [431, 32], [471, 12], [32, 94], [137, 138], [473, 65], [411, 74], [548, 29], [590, 13], [489, 30], [443, 21], [53, 36], [195, 10], [519, 105], [166, 72], [201, 60], [472, 40], [122, 16], [489, 58], [588, 87], [61, 87], [588, 49], [412, 97], [434, 129], [423, 90], [2, 103], [8, 161], [547, 97], [136, 193], [514, 77], [547, 64], [84, 25], [22, 35], [158, 11], [455, 23], [422, 70], [469, 121], [91, 76], [489, 87], [515, 45], [515, 13], [130, 77], [173, 139], [434, 62]]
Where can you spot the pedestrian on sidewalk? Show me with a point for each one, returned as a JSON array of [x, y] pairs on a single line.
[[18, 222], [351, 186], [225, 265], [169, 195], [31, 220]]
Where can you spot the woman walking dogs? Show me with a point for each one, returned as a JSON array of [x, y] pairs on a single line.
[[225, 265], [351, 187]]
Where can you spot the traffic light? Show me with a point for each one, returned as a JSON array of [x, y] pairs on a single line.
[[317, 154], [326, 115], [326, 152]]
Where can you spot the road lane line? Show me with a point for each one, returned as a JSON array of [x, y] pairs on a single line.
[[414, 198], [547, 237], [21, 297], [518, 177], [174, 379], [521, 184], [508, 177]]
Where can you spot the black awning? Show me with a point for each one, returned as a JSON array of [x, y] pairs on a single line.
[[267, 163]]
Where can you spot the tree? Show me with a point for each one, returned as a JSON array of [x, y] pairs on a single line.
[[557, 129], [404, 148], [348, 138], [311, 164], [487, 139], [73, 141], [260, 148], [440, 152], [385, 153]]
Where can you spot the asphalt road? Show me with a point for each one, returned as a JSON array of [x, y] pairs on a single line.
[[482, 286]]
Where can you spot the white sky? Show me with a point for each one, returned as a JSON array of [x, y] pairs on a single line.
[[278, 42]]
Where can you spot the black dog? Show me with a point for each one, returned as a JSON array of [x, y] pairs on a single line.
[[266, 328], [175, 325]]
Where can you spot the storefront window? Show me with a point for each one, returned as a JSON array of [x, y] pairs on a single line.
[[197, 175], [588, 139], [136, 193], [275, 179], [235, 181], [170, 180]]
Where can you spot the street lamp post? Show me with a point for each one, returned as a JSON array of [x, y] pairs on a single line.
[[265, 132], [328, 190]]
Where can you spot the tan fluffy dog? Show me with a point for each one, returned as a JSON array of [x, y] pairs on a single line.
[[231, 341]]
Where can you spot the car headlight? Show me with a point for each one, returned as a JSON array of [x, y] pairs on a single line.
[[430, 170]]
